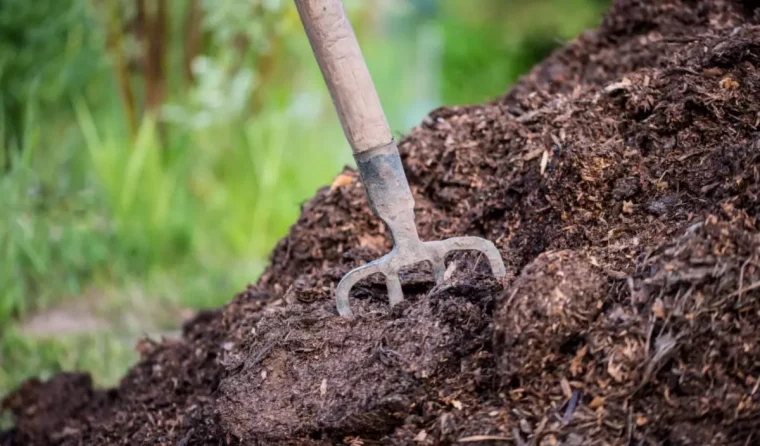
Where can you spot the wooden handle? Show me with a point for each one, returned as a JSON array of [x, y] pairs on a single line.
[[339, 57]]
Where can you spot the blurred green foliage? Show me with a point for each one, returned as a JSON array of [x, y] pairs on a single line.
[[153, 158], [48, 50]]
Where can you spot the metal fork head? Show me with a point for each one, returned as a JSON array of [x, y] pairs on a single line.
[[391, 199], [390, 264]]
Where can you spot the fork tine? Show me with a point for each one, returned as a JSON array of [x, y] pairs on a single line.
[[350, 279], [436, 251], [395, 294], [439, 269], [472, 243]]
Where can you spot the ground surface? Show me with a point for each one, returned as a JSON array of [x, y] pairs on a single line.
[[620, 181]]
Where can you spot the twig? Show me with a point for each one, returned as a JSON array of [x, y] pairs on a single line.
[[741, 279], [571, 405], [476, 438], [669, 316], [477, 261], [650, 330], [518, 437], [511, 297], [738, 292], [665, 346], [539, 431]]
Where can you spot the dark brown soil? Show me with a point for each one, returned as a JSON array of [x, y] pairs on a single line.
[[620, 181]]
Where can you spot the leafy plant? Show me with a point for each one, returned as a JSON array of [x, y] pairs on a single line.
[[48, 49]]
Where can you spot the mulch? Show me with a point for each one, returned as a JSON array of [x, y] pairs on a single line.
[[620, 180]]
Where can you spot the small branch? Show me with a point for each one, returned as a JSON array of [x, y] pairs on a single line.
[[746, 289], [476, 438], [193, 37]]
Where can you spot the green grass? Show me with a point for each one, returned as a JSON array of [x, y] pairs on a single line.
[[102, 354], [161, 227]]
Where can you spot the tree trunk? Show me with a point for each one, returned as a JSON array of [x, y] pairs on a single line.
[[153, 23], [115, 47], [193, 38]]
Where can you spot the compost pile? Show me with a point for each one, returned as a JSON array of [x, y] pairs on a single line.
[[620, 180]]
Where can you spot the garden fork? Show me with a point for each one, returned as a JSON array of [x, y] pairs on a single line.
[[374, 148]]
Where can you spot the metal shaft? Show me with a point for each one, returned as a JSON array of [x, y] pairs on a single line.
[[388, 191]]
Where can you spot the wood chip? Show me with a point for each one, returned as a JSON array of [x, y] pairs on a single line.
[[596, 403], [533, 154], [340, 181], [544, 161], [615, 371], [576, 366], [371, 241], [622, 85], [728, 83]]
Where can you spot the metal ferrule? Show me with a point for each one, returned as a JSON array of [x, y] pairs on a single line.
[[388, 191]]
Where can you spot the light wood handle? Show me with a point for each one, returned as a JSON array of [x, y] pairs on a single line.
[[339, 57]]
